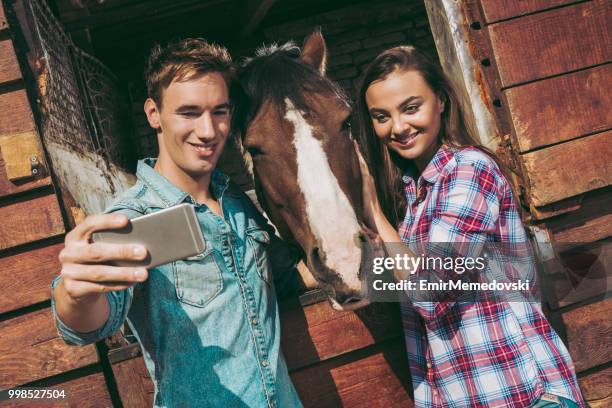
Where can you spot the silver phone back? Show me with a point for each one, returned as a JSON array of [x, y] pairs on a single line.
[[169, 235]]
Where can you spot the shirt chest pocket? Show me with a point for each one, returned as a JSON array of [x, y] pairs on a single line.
[[258, 241], [198, 278]]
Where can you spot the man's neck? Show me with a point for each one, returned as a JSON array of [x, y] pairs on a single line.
[[198, 188]]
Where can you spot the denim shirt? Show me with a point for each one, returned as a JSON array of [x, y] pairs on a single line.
[[208, 325]]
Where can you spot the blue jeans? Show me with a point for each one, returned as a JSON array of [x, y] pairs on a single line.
[[554, 401]]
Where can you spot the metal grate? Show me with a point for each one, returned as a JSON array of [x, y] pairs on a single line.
[[81, 103]]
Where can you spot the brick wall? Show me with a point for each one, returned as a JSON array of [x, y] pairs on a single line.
[[354, 36]]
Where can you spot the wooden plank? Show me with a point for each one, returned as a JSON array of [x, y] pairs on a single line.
[[134, 383], [378, 378], [254, 13], [586, 274], [311, 334], [569, 169], [551, 43], [30, 220], [597, 388], [30, 349], [561, 108], [26, 277], [22, 154], [9, 67], [495, 10], [591, 222], [555, 209], [3, 22], [131, 14], [586, 326], [15, 113], [84, 392], [8, 188]]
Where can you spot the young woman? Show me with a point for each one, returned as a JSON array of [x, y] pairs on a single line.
[[437, 184]]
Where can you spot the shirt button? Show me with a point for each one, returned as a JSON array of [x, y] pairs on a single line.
[[264, 363], [428, 365], [254, 321]]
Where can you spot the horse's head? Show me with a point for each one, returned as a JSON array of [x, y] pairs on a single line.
[[307, 173]]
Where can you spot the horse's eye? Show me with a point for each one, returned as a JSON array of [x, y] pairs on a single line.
[[346, 125], [254, 150]]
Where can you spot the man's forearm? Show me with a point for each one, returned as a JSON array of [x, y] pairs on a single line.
[[83, 316]]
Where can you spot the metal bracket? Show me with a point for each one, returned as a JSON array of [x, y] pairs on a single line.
[[22, 154]]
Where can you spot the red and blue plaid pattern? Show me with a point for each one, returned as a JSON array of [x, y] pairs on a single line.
[[476, 354]]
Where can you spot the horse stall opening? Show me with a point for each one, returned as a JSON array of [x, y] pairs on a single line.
[[72, 126]]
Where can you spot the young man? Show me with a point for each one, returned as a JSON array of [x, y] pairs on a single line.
[[208, 325]]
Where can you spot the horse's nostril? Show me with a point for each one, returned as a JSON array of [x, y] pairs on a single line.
[[315, 257], [315, 253]]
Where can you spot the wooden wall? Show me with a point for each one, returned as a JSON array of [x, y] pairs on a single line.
[[546, 65], [31, 235]]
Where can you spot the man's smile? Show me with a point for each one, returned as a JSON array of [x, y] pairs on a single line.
[[203, 149]]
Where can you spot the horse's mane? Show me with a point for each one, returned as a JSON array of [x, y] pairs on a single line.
[[276, 73]]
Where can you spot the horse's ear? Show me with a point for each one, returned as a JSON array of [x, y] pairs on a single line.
[[314, 52]]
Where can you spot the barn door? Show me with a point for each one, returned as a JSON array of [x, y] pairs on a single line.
[[546, 64]]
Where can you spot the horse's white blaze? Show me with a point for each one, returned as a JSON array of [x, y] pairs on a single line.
[[331, 217]]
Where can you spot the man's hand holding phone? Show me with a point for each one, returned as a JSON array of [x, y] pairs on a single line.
[[87, 272], [86, 265]]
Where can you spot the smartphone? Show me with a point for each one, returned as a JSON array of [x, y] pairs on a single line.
[[169, 235]]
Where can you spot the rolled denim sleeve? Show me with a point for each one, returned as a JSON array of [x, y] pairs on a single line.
[[119, 303]]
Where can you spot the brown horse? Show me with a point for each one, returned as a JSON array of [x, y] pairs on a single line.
[[297, 132]]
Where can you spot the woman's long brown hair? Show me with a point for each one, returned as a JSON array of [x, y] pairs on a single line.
[[386, 166]]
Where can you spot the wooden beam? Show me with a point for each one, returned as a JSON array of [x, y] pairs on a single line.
[[30, 349], [553, 42], [561, 108], [375, 377], [588, 330], [9, 67], [569, 169], [15, 113], [591, 222], [134, 383], [254, 13], [310, 334], [3, 22], [495, 10], [597, 388], [26, 277], [121, 15], [30, 220]]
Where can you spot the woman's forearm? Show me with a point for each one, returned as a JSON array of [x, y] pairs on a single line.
[[385, 229]]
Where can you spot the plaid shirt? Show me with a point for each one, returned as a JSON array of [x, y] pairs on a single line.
[[476, 354]]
